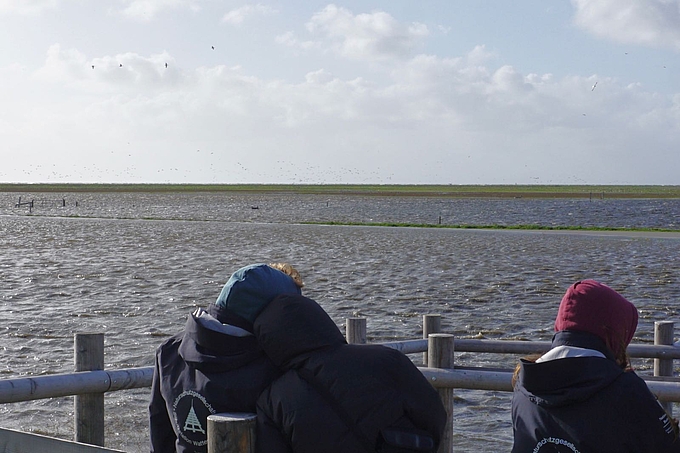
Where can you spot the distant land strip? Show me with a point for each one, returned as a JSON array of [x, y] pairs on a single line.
[[452, 190], [502, 227]]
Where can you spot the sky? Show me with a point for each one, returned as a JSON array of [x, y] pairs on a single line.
[[354, 92]]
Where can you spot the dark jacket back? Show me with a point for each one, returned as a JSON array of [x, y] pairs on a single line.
[[375, 387]]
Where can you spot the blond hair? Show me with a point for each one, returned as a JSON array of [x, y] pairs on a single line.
[[289, 270]]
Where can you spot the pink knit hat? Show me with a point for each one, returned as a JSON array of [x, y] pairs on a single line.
[[590, 306]]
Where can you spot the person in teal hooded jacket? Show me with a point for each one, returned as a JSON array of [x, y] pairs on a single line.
[[215, 364]]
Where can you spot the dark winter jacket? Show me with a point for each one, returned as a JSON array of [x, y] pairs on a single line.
[[587, 404], [334, 397], [208, 368]]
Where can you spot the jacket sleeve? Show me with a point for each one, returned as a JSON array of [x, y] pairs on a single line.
[[161, 433], [269, 438], [656, 431]]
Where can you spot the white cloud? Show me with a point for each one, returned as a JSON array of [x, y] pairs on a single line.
[[127, 71], [145, 10], [367, 36], [653, 23], [466, 120], [290, 40], [237, 16], [27, 7]]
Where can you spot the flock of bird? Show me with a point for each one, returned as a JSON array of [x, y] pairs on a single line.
[[120, 65]]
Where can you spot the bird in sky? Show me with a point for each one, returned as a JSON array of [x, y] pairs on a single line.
[[593, 88], [213, 47], [166, 65]]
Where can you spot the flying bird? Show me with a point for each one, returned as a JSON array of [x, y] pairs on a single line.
[[593, 88], [166, 65], [213, 47], [120, 65]]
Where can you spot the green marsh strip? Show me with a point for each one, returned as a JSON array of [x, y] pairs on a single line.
[[495, 227], [461, 191]]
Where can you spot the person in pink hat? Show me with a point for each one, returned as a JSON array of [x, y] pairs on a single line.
[[582, 395]]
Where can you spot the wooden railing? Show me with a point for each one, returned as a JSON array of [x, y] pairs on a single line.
[[90, 382]]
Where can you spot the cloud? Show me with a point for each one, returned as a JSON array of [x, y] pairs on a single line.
[[128, 71], [145, 10], [237, 16], [290, 40], [654, 23], [466, 119], [375, 35], [27, 7]]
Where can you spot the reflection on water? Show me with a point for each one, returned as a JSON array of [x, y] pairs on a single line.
[[137, 280]]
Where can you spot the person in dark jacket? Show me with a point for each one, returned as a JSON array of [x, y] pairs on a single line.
[[334, 397], [215, 364], [582, 396]]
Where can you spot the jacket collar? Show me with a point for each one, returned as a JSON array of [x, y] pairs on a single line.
[[581, 339]]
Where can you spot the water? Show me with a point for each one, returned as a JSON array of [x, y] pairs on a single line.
[[134, 265]]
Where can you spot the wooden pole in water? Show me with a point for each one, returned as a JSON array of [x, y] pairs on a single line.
[[231, 433], [89, 408], [663, 335], [431, 324], [355, 331], [440, 355]]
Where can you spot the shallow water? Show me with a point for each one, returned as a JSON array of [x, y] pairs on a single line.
[[134, 265]]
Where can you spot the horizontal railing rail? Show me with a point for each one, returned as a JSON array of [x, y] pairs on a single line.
[[70, 384], [84, 382], [648, 351]]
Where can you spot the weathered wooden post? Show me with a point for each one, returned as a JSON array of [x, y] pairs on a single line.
[[440, 355], [89, 408], [231, 432], [431, 324], [355, 330], [663, 335]]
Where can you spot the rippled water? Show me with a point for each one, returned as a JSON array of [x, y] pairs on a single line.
[[134, 265]]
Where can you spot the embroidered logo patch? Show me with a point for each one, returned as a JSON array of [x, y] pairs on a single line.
[[191, 417], [555, 444]]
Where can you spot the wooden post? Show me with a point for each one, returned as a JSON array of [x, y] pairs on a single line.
[[89, 408], [440, 355], [431, 324], [355, 331], [663, 335], [231, 433]]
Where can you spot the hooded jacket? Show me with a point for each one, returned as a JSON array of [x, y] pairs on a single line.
[[586, 403], [208, 368], [334, 397], [215, 364]]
